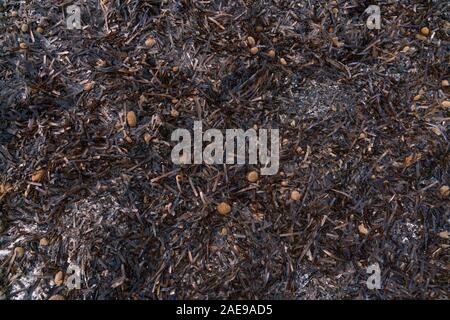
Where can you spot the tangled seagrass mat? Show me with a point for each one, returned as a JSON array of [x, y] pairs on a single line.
[[86, 177]]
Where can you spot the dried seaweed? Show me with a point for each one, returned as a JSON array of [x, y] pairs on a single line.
[[364, 139]]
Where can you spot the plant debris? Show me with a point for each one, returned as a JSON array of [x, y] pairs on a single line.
[[86, 117]]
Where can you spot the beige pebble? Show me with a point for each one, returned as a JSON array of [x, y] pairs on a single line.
[[43, 242], [271, 53], [39, 30], [254, 50], [445, 83], [425, 31], [283, 61], [24, 27], [174, 113], [295, 195], [131, 119], [57, 297], [363, 230], [224, 208], [444, 191], [251, 42], [252, 176], [23, 45]]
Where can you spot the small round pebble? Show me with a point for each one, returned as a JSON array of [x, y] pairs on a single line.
[[295, 195], [444, 191], [224, 208], [425, 31], [252, 176], [254, 50], [43, 242]]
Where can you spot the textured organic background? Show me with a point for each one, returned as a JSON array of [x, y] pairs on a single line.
[[364, 128]]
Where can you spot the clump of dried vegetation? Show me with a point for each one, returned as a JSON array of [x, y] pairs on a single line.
[[85, 170]]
